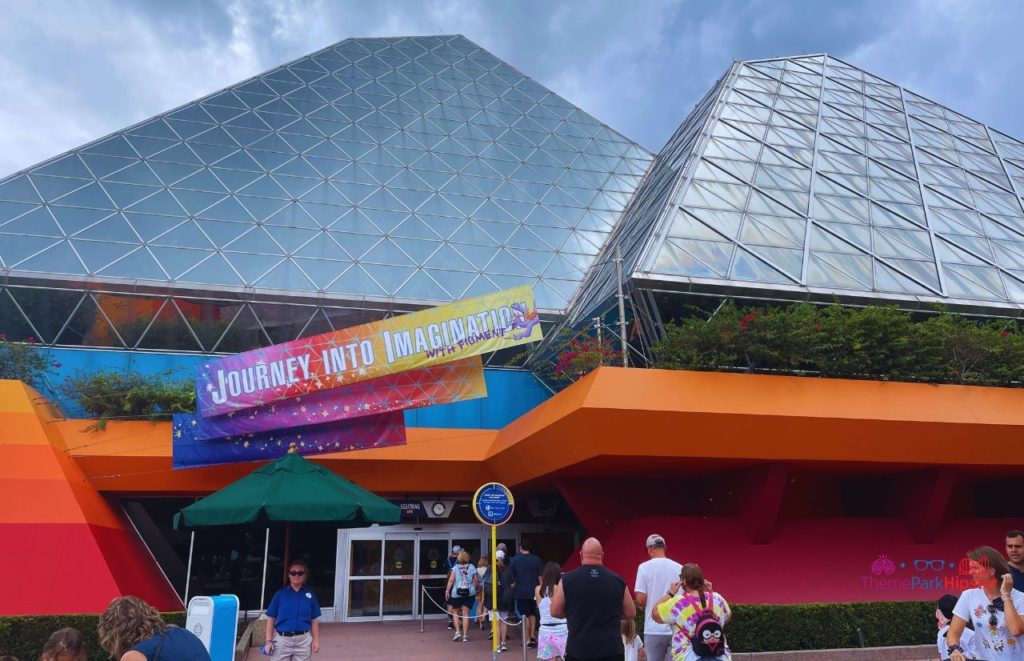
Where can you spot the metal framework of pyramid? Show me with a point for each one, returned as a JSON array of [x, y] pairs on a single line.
[[808, 177], [418, 170], [385, 174]]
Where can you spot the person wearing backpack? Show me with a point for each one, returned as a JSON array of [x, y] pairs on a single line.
[[463, 584], [698, 617]]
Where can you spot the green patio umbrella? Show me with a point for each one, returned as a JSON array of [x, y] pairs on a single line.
[[288, 490]]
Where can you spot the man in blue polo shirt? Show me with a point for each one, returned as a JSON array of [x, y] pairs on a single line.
[[293, 630]]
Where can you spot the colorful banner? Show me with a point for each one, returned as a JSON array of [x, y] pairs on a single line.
[[438, 335], [427, 386], [371, 431]]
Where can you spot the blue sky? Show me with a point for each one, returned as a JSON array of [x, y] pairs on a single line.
[[72, 71]]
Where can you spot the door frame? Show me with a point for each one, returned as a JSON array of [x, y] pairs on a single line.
[[438, 531]]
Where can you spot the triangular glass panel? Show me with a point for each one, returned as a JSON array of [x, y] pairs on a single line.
[[138, 265], [90, 197], [53, 187], [422, 287], [851, 238], [18, 189], [59, 258], [963, 281], [66, 166], [98, 254], [125, 195], [186, 235], [922, 271], [176, 261], [13, 325], [169, 331], [887, 279], [902, 244], [852, 267], [214, 270], [161, 202], [73, 220], [356, 282], [317, 325], [322, 247], [286, 276], [283, 322], [251, 267], [257, 240], [355, 245], [46, 309], [773, 231], [674, 260], [37, 222], [113, 228], [321, 271]]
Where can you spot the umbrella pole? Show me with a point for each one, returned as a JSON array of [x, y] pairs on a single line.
[[188, 569], [287, 544], [263, 585]]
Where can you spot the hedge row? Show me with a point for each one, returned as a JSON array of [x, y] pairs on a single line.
[[878, 343], [831, 626], [24, 636], [759, 628], [764, 628]]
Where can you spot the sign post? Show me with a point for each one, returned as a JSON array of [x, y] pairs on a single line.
[[493, 505]]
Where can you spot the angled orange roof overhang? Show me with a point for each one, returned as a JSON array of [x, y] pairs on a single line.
[[636, 422]]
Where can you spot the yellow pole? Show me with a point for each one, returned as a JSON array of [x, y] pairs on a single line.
[[494, 590]]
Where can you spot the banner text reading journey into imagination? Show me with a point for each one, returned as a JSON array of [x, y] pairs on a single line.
[[436, 335]]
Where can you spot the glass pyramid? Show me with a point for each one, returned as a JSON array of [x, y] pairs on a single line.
[[418, 170], [808, 176]]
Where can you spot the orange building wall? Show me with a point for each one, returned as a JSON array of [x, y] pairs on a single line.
[[65, 548], [777, 447]]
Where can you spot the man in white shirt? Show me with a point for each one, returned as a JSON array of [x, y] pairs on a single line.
[[653, 579]]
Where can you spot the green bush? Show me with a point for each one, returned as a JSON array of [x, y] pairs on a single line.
[[766, 628], [112, 395], [24, 361], [830, 626], [24, 637], [879, 343]]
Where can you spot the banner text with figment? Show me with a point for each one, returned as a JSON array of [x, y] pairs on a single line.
[[464, 328]]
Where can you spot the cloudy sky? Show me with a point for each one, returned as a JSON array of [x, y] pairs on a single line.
[[74, 70]]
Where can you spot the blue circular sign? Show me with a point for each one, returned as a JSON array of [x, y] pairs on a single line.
[[493, 504]]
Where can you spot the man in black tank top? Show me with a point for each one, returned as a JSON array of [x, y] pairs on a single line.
[[594, 600]]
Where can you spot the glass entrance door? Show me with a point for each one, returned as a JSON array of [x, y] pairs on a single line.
[[432, 572], [399, 580], [364, 571]]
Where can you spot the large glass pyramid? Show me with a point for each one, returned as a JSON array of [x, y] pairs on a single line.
[[808, 177], [416, 170]]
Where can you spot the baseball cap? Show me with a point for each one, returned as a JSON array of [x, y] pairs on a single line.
[[456, 549], [655, 540], [500, 554]]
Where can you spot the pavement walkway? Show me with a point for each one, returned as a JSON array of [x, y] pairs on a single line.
[[403, 640]]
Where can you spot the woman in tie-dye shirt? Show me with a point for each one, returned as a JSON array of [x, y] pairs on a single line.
[[683, 612]]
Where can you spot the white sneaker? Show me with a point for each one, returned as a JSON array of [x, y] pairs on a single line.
[[465, 638], [456, 637]]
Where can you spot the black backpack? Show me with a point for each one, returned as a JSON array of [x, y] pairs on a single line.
[[708, 637]]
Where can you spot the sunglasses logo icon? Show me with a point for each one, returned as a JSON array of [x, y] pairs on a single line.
[[929, 565]]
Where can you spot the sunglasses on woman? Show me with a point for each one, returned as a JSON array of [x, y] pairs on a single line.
[[996, 605], [297, 573]]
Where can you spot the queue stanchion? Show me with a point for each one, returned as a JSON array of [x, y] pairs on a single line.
[[423, 603]]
